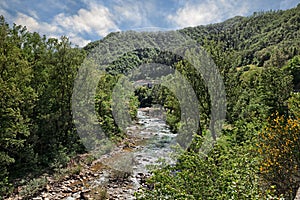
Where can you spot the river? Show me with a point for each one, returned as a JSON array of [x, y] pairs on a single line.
[[119, 174], [153, 143]]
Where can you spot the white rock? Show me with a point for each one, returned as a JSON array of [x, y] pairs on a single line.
[[70, 198]]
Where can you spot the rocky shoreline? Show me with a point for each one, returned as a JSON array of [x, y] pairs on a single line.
[[87, 183], [104, 178]]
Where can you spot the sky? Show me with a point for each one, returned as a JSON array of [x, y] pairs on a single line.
[[84, 21]]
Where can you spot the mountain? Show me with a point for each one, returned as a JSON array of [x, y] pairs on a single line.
[[264, 39]]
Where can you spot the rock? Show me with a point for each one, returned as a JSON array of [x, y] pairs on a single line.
[[76, 195], [48, 187], [70, 198], [297, 197], [44, 195]]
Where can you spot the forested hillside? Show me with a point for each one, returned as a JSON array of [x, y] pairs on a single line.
[[257, 156], [264, 39]]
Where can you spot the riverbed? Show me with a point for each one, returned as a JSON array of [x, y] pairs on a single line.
[[153, 145], [118, 174]]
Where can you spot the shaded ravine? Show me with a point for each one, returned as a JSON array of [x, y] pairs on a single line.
[[119, 174]]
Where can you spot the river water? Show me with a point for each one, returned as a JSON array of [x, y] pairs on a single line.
[[154, 144], [120, 173]]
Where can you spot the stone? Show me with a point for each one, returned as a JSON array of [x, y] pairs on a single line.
[[298, 194], [44, 195], [76, 195], [70, 198]]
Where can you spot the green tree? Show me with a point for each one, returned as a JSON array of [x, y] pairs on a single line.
[[17, 100], [56, 129], [293, 68]]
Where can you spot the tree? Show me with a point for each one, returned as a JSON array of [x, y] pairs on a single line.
[[54, 120], [262, 91], [293, 68], [17, 101]]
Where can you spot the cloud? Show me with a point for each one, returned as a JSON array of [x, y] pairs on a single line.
[[78, 40], [49, 29], [133, 13], [206, 12], [96, 19], [33, 14], [128, 13], [33, 25]]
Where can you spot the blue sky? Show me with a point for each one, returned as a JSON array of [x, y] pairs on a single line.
[[88, 20]]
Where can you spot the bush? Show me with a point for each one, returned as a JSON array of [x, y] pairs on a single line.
[[279, 146], [228, 172]]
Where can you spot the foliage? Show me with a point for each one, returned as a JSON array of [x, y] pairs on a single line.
[[293, 67], [258, 58], [279, 146], [294, 105], [36, 83], [261, 92], [33, 186], [265, 38], [104, 105], [228, 172]]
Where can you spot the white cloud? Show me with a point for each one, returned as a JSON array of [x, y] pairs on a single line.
[[78, 40], [51, 30], [35, 26], [206, 12], [97, 19]]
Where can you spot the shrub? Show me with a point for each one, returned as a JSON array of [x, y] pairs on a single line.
[[279, 146], [227, 172]]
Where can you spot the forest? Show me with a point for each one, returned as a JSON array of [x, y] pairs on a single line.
[[257, 155]]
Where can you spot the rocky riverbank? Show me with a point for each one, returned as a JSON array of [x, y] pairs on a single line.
[[119, 174]]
